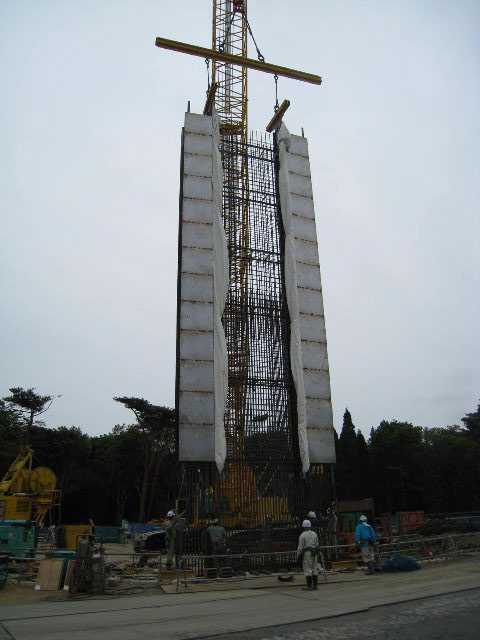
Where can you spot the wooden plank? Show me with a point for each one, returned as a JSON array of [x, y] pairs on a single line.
[[250, 63], [49, 574], [277, 116]]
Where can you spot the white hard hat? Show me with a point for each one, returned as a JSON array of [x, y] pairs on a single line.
[[311, 514], [363, 518], [170, 514], [306, 524]]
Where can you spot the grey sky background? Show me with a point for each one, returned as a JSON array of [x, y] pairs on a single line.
[[90, 120]]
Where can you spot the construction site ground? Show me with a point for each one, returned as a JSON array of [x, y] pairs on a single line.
[[243, 610]]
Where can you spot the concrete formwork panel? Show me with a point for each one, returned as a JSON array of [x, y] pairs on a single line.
[[200, 367], [196, 408], [302, 206], [197, 261], [196, 316], [308, 348], [197, 235], [196, 287], [307, 250], [304, 228], [196, 442], [312, 327], [310, 302], [314, 355], [196, 345]]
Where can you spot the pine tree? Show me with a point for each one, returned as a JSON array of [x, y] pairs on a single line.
[[472, 424]]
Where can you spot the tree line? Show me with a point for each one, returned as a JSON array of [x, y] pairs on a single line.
[[131, 472], [407, 468]]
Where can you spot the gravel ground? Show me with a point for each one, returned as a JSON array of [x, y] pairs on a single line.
[[448, 617]]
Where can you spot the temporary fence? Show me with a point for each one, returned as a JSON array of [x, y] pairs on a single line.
[[138, 570]]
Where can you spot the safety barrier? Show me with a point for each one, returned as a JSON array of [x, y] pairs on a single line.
[[138, 570]]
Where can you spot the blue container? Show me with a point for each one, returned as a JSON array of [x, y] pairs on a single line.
[[108, 534], [18, 538]]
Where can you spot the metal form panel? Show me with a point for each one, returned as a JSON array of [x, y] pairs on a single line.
[[201, 370], [304, 293]]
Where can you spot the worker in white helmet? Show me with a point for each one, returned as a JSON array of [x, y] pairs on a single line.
[[312, 516], [169, 526], [366, 540], [308, 550]]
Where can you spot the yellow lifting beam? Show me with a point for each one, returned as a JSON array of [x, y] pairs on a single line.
[[249, 63]]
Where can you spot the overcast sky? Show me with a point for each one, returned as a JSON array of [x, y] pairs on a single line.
[[90, 119]]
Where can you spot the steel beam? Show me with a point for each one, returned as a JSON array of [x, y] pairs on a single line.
[[228, 58]]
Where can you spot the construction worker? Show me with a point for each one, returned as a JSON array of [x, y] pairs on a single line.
[[214, 539], [214, 543], [174, 538], [170, 537], [365, 539], [312, 516], [308, 550]]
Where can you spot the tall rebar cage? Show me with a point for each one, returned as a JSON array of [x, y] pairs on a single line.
[[260, 420], [262, 480]]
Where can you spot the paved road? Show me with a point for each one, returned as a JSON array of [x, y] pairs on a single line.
[[201, 615], [451, 617]]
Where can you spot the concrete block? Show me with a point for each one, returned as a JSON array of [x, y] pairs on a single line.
[[196, 376], [198, 144], [197, 235], [198, 123], [299, 164], [196, 345], [197, 288], [317, 384], [196, 408], [302, 206], [195, 165], [196, 443], [298, 146], [197, 260], [321, 445], [196, 315], [197, 210], [300, 185], [306, 251], [310, 302], [308, 276], [312, 328], [319, 413], [197, 187], [314, 355], [303, 228]]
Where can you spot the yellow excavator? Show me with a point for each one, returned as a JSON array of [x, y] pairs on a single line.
[[26, 493]]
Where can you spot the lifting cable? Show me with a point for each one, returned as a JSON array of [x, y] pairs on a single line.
[[221, 47], [275, 77], [260, 56], [207, 62]]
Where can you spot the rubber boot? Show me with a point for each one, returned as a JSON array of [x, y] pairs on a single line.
[[309, 583], [315, 582]]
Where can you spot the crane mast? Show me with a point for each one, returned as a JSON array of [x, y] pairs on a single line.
[[229, 35]]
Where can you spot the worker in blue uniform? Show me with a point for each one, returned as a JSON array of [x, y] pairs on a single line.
[[366, 539]]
